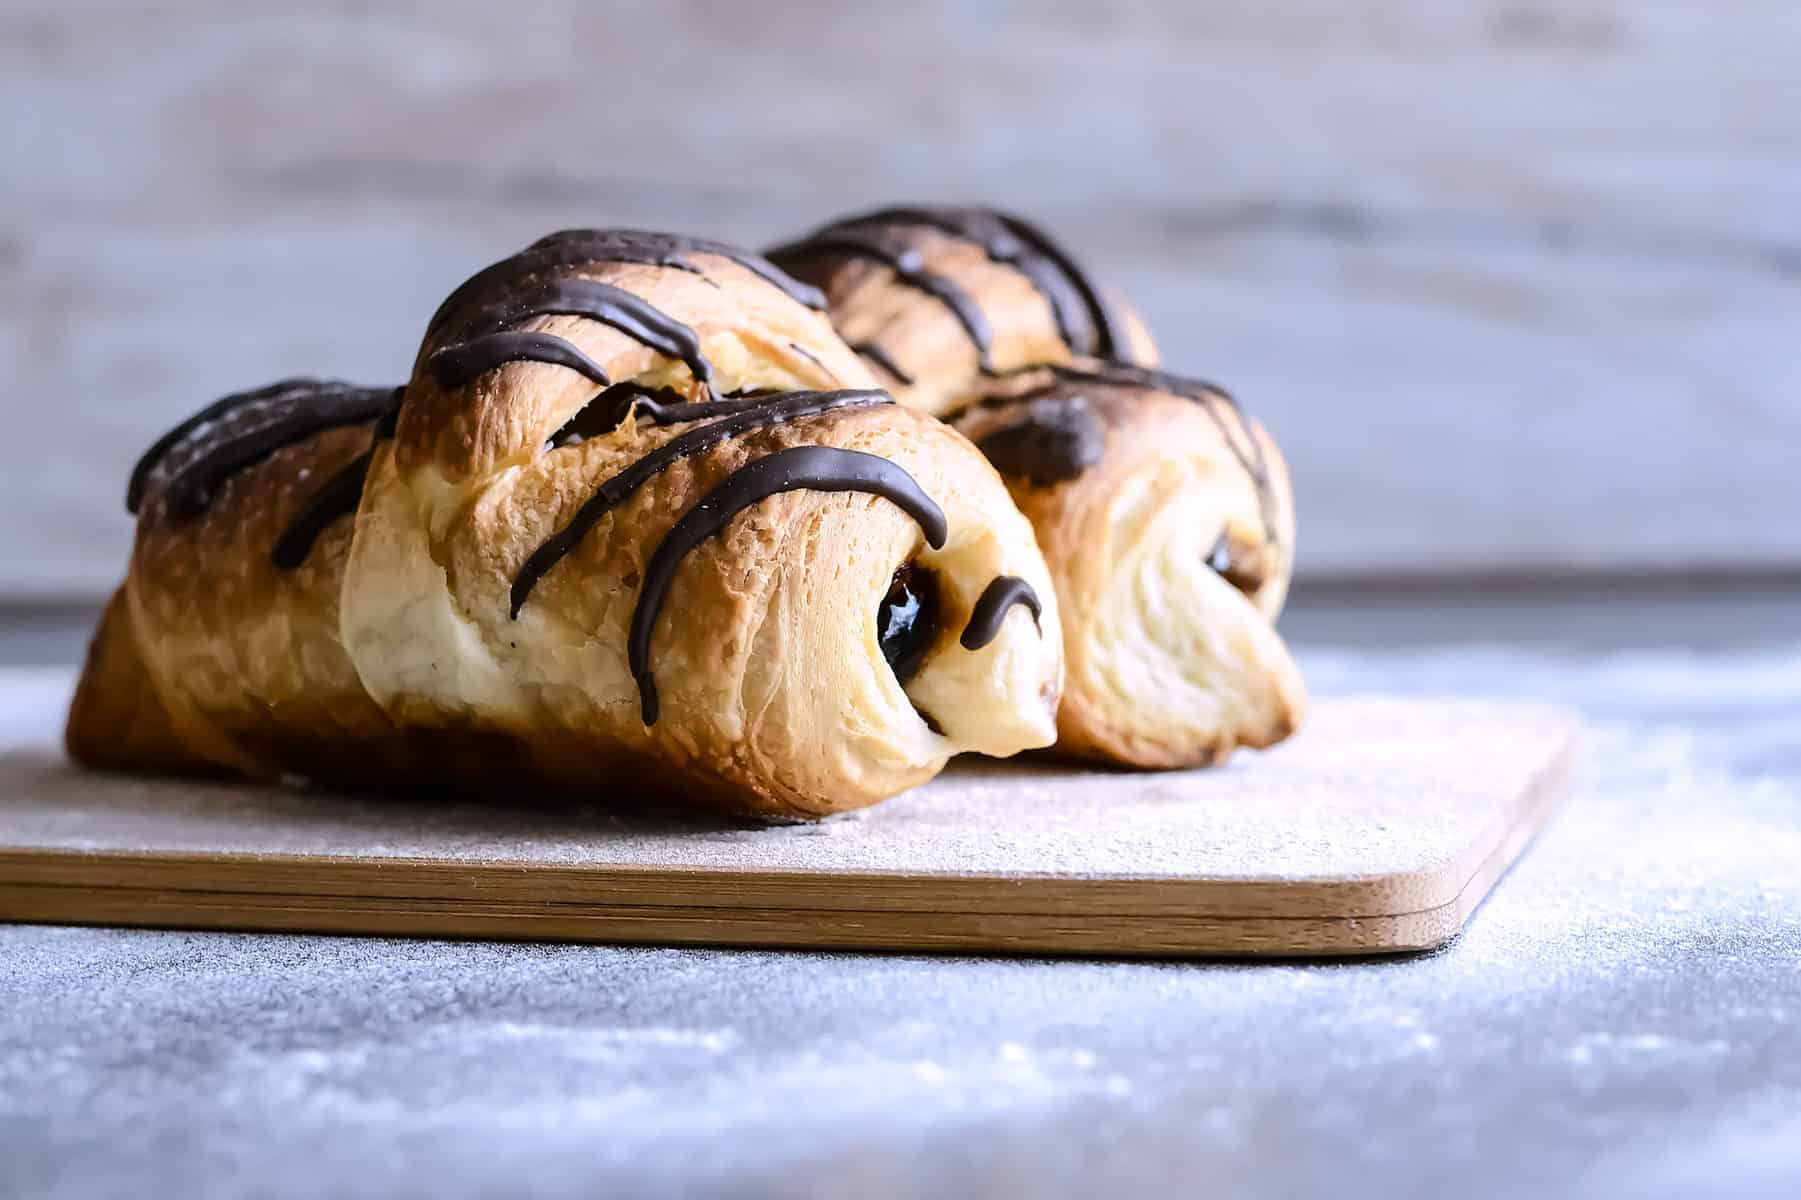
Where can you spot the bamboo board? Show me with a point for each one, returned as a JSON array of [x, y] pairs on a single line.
[[1378, 830]]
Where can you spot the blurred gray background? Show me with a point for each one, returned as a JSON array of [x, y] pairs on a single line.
[[1517, 284]]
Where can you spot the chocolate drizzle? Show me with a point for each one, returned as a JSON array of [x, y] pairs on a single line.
[[813, 468], [472, 328], [458, 364], [243, 429], [140, 472], [1245, 445], [486, 343], [758, 413], [338, 498], [580, 247], [1086, 322], [811, 357], [992, 607], [1052, 439], [876, 354], [818, 468], [868, 238], [1215, 400], [658, 405]]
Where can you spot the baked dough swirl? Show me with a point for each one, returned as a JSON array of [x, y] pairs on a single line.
[[937, 299], [1164, 510], [638, 526]]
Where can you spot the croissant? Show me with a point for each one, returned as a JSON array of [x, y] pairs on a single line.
[[638, 525], [1164, 511], [937, 299]]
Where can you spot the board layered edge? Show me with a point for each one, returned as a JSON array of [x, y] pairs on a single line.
[[1019, 914]]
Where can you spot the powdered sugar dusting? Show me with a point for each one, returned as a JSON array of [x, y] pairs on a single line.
[[1373, 788], [1622, 1018]]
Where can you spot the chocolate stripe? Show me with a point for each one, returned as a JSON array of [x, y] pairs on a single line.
[[1106, 327], [892, 251], [456, 365], [617, 489], [578, 247], [190, 488], [1085, 322], [658, 405], [338, 498], [992, 607], [811, 468], [876, 354], [625, 311], [1215, 400], [140, 473]]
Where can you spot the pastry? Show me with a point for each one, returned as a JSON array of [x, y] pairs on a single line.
[[639, 525], [938, 298], [1167, 522], [1164, 511]]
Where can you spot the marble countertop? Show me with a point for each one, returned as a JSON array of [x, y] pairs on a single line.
[[1621, 1018]]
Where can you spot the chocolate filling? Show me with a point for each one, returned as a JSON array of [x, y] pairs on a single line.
[[906, 622], [1245, 574], [658, 405]]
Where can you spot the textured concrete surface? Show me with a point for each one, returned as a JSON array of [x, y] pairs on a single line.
[[1622, 1018]]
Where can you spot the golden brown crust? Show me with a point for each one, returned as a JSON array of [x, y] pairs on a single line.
[[391, 658], [906, 327], [773, 689], [768, 678], [751, 333], [1170, 662], [248, 654], [117, 720]]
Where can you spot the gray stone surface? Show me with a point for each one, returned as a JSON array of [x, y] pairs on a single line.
[[1622, 1018]]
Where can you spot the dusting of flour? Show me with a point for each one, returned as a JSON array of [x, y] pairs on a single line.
[[1622, 1017]]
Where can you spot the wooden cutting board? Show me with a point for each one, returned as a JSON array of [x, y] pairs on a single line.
[[1379, 829]]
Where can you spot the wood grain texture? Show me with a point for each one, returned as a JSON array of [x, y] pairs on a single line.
[[1378, 831], [1515, 283]]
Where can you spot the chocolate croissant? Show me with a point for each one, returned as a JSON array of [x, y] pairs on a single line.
[[937, 299], [639, 525], [1164, 511]]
